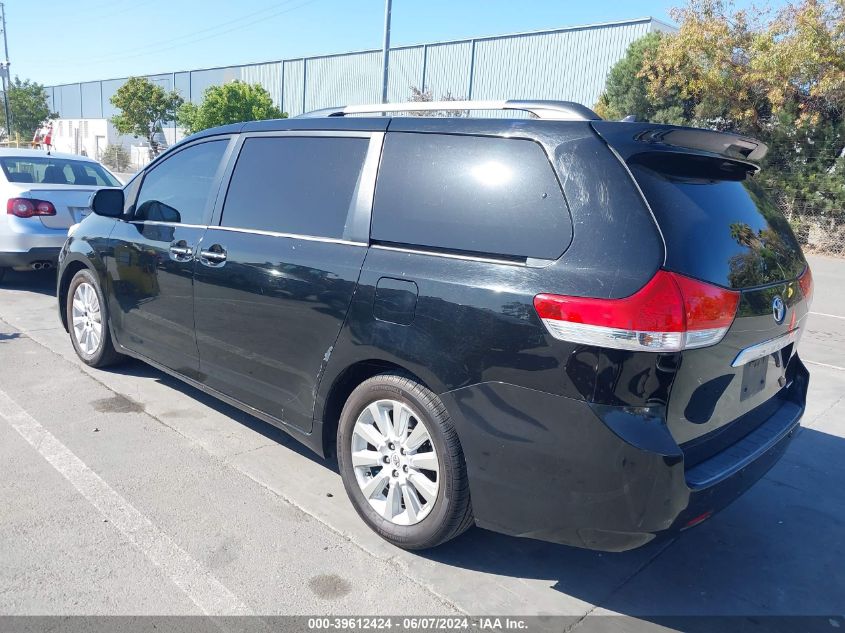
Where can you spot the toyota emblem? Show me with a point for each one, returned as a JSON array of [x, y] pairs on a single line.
[[778, 310]]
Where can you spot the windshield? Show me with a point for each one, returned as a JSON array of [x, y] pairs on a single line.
[[48, 170]]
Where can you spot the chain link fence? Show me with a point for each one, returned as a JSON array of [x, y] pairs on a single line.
[[809, 188], [817, 232]]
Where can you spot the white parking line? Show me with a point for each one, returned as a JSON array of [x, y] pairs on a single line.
[[212, 597], [812, 362], [825, 314]]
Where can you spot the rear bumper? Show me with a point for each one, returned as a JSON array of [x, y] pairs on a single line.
[[712, 498], [607, 478], [24, 259], [21, 237]]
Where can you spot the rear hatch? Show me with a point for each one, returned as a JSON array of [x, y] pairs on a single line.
[[72, 202], [721, 227]]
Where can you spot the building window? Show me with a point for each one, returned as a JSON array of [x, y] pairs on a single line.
[[85, 129]]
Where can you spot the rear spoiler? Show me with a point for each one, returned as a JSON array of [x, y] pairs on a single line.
[[635, 138]]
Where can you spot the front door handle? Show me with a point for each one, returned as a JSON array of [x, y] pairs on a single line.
[[214, 256], [181, 252]]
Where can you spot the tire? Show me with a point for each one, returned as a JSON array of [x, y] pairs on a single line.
[[407, 511], [95, 349]]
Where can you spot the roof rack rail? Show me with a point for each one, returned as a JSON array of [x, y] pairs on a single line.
[[556, 110]]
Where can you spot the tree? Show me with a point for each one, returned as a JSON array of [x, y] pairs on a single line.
[[426, 96], [28, 107], [233, 102], [778, 76], [627, 91], [116, 157], [740, 73], [144, 108]]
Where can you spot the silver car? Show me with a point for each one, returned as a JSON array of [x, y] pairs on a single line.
[[45, 194]]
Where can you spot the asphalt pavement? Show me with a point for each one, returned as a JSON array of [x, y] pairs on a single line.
[[125, 491]]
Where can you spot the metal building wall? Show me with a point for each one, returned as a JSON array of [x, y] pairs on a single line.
[[568, 64], [447, 69], [199, 80], [92, 100], [340, 79], [268, 75], [293, 86], [405, 69]]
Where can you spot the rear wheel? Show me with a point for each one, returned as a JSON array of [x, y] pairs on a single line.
[[402, 463], [88, 322]]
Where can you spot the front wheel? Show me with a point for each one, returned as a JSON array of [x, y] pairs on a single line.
[[88, 321], [402, 463]]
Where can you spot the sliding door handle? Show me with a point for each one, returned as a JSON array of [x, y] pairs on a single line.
[[181, 252], [213, 256]]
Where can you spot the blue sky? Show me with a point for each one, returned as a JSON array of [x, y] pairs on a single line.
[[61, 41]]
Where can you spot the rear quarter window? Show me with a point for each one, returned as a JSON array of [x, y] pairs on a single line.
[[471, 194]]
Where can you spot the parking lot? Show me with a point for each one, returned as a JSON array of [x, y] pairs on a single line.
[[126, 492]]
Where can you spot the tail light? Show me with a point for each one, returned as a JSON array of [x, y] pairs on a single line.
[[28, 207], [670, 313], [806, 283], [701, 518]]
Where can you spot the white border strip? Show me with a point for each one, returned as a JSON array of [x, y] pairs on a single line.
[[825, 314], [212, 597]]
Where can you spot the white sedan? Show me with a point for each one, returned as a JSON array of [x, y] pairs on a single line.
[[46, 194]]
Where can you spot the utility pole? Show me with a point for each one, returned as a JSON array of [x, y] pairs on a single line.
[[4, 71], [385, 53]]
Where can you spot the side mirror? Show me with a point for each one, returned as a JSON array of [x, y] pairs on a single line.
[[108, 202]]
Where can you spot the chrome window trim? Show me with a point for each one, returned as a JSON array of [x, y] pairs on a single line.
[[317, 133], [295, 236], [159, 223], [529, 263]]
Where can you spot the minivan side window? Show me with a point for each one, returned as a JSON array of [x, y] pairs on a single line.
[[179, 188], [473, 194], [295, 184]]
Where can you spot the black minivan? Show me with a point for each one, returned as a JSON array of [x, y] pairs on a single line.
[[548, 325]]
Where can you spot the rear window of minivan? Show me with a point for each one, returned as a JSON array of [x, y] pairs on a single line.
[[719, 224], [470, 194]]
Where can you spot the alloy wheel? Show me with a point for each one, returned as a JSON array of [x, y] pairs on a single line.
[[395, 462], [87, 318]]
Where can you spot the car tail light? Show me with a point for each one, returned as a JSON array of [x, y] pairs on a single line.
[[670, 313], [28, 207], [806, 283], [701, 518]]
